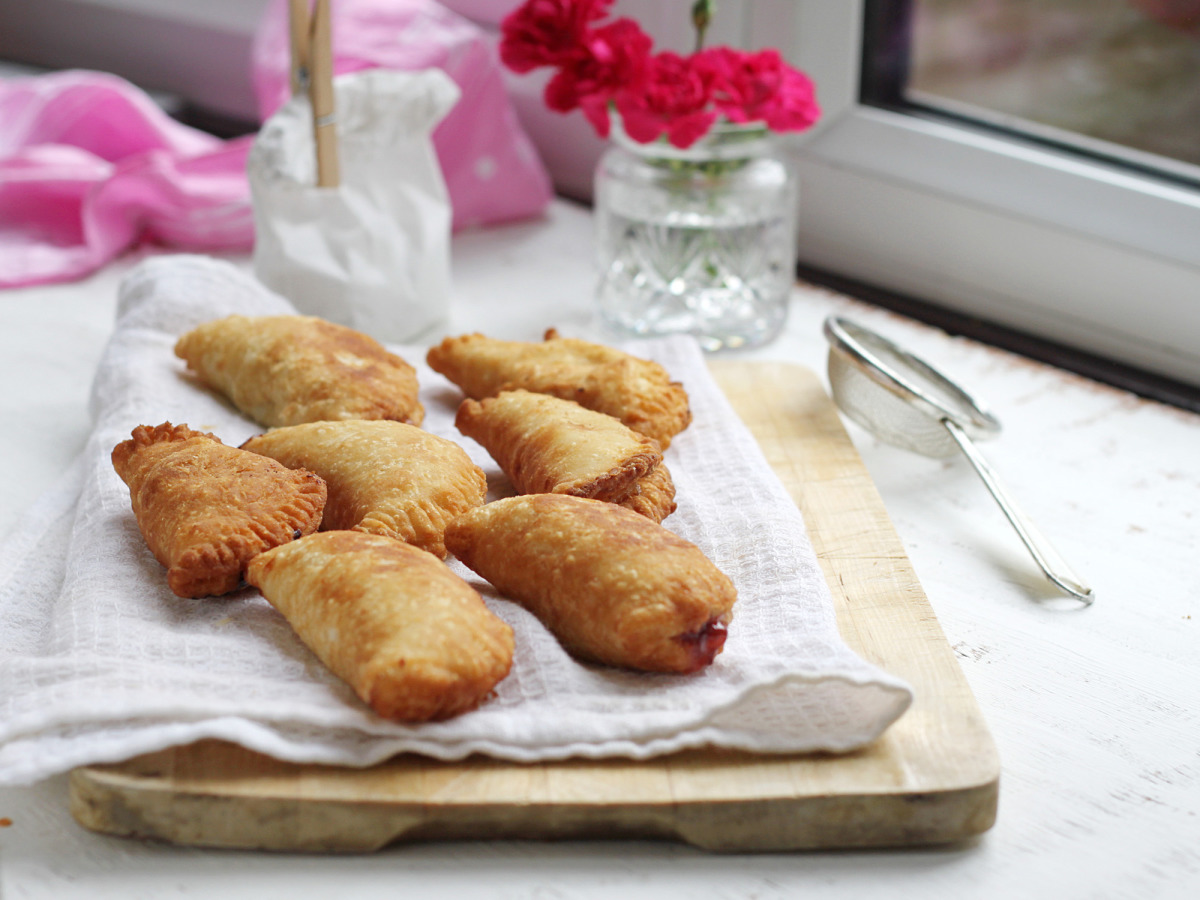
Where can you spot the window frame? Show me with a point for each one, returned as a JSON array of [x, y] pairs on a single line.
[[1057, 245]]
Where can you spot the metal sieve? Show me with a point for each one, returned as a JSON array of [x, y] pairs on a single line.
[[905, 402]]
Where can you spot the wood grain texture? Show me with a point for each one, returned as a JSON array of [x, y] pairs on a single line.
[[932, 778]]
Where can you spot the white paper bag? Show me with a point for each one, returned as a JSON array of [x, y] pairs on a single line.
[[372, 253]]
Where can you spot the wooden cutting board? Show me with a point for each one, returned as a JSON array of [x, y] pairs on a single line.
[[932, 778]]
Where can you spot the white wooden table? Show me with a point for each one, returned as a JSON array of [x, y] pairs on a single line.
[[1095, 712]]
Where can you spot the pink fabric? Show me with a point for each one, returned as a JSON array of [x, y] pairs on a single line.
[[492, 171], [90, 166]]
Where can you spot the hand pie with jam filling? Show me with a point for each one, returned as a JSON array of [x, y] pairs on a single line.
[[546, 445], [638, 392], [383, 477], [613, 586], [414, 641], [285, 370], [205, 509]]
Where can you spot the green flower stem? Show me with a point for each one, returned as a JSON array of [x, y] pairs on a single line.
[[712, 169], [702, 15]]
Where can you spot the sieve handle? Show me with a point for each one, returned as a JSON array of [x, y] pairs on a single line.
[[1045, 556]]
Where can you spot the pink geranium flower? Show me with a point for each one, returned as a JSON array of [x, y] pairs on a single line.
[[606, 66], [673, 99], [610, 59], [547, 32], [795, 106], [746, 83], [761, 87]]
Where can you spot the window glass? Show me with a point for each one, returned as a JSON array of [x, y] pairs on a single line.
[[1112, 78]]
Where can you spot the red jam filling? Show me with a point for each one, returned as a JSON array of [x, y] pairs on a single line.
[[703, 645]]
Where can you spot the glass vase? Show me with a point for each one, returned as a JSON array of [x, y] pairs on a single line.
[[700, 241]]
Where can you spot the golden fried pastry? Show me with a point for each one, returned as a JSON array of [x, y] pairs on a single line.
[[383, 477], [284, 370], [412, 639], [653, 495], [206, 509], [637, 391], [546, 445], [610, 584]]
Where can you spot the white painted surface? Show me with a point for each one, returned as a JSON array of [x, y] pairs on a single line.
[[1095, 712]]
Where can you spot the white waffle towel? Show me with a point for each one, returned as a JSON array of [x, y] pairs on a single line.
[[99, 661]]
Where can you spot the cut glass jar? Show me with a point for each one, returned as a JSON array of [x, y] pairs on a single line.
[[698, 241]]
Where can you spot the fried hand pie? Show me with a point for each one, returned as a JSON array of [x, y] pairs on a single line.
[[383, 477], [285, 370], [653, 495], [636, 391], [546, 445], [611, 585], [205, 509], [413, 640]]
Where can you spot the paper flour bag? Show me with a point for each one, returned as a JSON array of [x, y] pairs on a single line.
[[372, 253]]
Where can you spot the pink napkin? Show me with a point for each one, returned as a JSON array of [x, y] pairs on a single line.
[[90, 166], [491, 168]]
